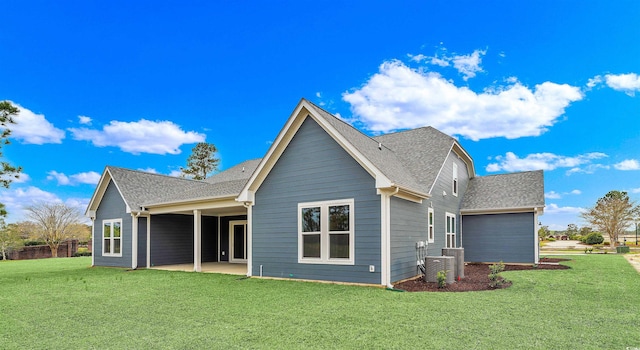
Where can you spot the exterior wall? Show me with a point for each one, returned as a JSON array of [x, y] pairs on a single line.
[[142, 242], [172, 239], [408, 226], [449, 203], [314, 168], [224, 235], [209, 239], [500, 237], [112, 206]]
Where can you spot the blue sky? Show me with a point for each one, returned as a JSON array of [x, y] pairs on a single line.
[[523, 85]]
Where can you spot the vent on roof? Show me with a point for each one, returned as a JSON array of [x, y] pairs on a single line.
[[380, 146], [243, 169]]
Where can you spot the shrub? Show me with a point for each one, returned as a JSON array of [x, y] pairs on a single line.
[[442, 279], [594, 238], [551, 239], [31, 243], [495, 280]]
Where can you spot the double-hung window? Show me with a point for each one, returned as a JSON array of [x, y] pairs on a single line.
[[112, 237], [430, 233], [450, 233], [326, 232]]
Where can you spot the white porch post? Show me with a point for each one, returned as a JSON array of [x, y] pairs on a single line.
[[149, 241], [93, 240], [134, 241], [249, 240], [197, 240]]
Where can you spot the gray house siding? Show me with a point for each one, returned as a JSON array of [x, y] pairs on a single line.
[[408, 226], [142, 242], [314, 168], [447, 203], [112, 206], [172, 239], [499, 237]]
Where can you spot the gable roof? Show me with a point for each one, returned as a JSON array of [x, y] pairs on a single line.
[[523, 190], [379, 161], [139, 189], [423, 151]]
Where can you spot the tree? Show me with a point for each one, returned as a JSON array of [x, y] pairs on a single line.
[[7, 171], [612, 214], [9, 239], [544, 232], [201, 162], [56, 223]]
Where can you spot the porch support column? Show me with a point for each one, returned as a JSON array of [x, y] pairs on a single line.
[[197, 240], [149, 241], [249, 238], [134, 240]]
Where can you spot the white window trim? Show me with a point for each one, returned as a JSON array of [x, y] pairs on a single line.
[[431, 230], [111, 238], [324, 232], [455, 184], [446, 229]]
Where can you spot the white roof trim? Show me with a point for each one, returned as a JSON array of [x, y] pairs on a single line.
[[538, 210], [100, 191], [285, 136]]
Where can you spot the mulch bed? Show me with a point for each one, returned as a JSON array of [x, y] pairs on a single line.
[[476, 277]]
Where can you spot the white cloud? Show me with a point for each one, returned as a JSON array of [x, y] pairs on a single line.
[[24, 178], [595, 81], [176, 173], [90, 177], [469, 65], [149, 170], [398, 97], [32, 128], [552, 195], [541, 161], [628, 83], [84, 120], [628, 164], [555, 209], [144, 136], [635, 190], [556, 195], [17, 200]]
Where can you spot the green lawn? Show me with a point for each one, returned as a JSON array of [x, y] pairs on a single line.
[[62, 303]]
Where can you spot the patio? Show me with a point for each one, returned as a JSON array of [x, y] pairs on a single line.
[[208, 267]]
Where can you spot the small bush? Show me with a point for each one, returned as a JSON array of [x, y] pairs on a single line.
[[32, 243], [551, 239], [594, 238], [495, 280], [442, 279]]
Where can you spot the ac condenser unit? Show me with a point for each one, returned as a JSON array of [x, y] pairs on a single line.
[[458, 253]]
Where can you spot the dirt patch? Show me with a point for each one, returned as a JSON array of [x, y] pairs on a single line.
[[476, 277]]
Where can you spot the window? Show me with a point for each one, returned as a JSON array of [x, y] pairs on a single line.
[[325, 232], [454, 190], [112, 237], [431, 234], [450, 233]]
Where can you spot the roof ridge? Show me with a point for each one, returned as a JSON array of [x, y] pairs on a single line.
[[153, 174], [344, 122], [513, 173]]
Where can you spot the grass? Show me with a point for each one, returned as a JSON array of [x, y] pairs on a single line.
[[62, 303]]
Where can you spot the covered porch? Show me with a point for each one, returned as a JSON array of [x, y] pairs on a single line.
[[208, 267], [206, 236]]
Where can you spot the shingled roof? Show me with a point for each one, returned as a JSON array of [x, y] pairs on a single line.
[[524, 190], [139, 188]]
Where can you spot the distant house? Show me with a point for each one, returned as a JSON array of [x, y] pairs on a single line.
[[326, 202]]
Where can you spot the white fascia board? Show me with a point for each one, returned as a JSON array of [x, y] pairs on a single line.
[[462, 153], [275, 151], [229, 202], [500, 210], [285, 136], [381, 180], [100, 191]]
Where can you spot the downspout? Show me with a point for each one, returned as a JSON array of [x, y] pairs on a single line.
[[386, 236]]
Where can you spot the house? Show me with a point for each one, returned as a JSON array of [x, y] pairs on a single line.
[[326, 202]]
